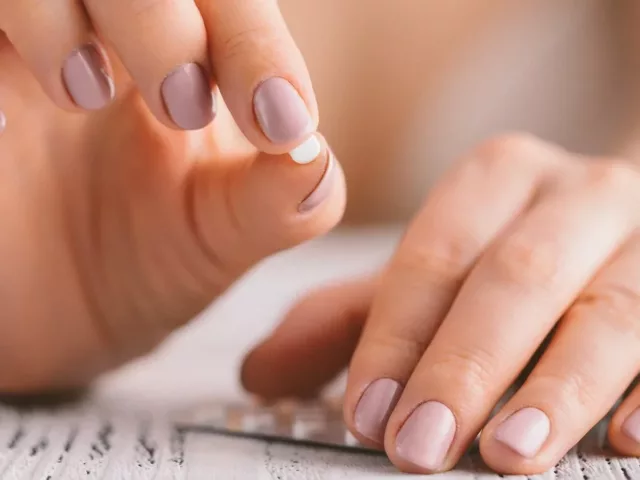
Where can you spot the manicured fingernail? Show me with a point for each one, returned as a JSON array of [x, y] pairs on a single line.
[[281, 112], [85, 76], [375, 407], [188, 97], [426, 437], [323, 188], [525, 431], [3, 122], [631, 426]]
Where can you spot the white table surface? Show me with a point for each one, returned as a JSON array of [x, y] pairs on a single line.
[[124, 430]]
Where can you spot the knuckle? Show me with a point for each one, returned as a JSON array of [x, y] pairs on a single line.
[[441, 261], [569, 390], [399, 344], [505, 149], [617, 305], [472, 371], [613, 175], [145, 7], [249, 40], [527, 263]]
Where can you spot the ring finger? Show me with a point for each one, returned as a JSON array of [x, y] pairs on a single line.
[[592, 359]]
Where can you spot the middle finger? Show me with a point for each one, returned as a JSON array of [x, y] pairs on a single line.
[[504, 310], [163, 44]]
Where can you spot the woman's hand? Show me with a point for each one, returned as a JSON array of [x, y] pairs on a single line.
[[520, 238], [175, 51], [116, 229]]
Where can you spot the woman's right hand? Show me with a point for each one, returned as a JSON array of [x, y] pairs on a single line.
[[117, 230], [521, 242]]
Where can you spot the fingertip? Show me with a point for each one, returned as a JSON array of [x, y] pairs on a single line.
[[261, 73], [283, 117], [503, 458], [251, 374], [189, 100], [269, 374], [312, 345], [86, 77], [303, 201], [624, 433]]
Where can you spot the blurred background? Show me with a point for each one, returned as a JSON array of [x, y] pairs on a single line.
[[406, 86]]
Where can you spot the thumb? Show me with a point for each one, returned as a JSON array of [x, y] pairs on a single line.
[[312, 345], [251, 208]]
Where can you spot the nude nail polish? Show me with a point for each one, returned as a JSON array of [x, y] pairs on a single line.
[[425, 438], [188, 97], [375, 407], [525, 431], [323, 189], [85, 77], [631, 426], [281, 112], [3, 122]]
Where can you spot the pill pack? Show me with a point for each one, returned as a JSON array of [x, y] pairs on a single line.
[[319, 423]]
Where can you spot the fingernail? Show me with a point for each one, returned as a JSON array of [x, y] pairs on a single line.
[[631, 426], [188, 97], [3, 122], [426, 437], [525, 431], [84, 74], [281, 112], [375, 407], [323, 188]]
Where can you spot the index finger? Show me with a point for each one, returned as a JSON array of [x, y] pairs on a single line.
[[261, 74]]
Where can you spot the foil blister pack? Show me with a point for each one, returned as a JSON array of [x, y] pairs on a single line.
[[317, 424]]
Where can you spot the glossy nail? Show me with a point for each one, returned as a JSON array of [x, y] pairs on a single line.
[[426, 437], [375, 407], [281, 112], [323, 188], [525, 431], [631, 426], [188, 97], [3, 122], [85, 76]]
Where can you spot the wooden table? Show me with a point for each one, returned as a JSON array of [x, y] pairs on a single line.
[[123, 430]]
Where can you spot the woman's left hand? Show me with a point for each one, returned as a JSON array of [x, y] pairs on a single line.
[[520, 238]]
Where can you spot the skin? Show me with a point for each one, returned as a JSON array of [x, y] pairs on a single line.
[[124, 229], [244, 42], [117, 230], [520, 238]]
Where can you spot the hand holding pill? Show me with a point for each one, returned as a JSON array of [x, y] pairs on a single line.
[[178, 53]]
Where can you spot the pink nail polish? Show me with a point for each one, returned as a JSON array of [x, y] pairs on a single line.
[[426, 437], [525, 431], [3, 122], [188, 98], [281, 112], [323, 189], [84, 74], [375, 407], [631, 426]]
